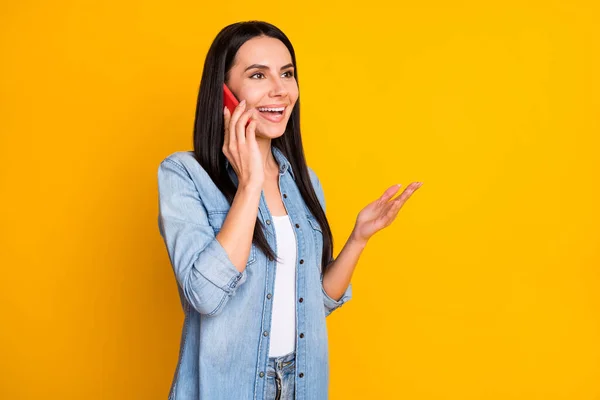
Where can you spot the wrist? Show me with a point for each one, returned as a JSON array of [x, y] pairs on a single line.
[[250, 188], [358, 241]]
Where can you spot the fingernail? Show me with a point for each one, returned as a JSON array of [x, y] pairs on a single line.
[[242, 103], [225, 110]]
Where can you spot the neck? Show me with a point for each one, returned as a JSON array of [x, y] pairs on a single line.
[[269, 162]]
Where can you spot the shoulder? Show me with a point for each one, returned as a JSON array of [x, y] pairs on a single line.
[[186, 162], [181, 159], [182, 166]]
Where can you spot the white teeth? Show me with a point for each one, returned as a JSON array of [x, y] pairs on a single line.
[[271, 109]]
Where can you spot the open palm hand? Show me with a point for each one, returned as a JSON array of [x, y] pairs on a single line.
[[381, 212]]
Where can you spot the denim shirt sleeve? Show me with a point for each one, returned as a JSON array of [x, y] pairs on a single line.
[[329, 303], [202, 267]]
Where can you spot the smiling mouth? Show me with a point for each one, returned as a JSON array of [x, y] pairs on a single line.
[[274, 114], [272, 110]]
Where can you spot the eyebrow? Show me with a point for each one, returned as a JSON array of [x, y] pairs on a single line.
[[260, 66]]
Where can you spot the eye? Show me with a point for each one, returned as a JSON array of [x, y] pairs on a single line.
[[258, 73], [289, 74]]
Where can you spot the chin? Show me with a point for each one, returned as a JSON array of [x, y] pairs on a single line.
[[271, 132]]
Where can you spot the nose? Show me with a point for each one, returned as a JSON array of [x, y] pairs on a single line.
[[278, 88]]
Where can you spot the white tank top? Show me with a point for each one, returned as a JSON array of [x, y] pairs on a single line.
[[283, 320]]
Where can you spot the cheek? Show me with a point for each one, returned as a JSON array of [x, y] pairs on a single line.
[[252, 96], [293, 93], [293, 96]]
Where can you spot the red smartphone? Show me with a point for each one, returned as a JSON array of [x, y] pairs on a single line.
[[231, 102], [229, 99]]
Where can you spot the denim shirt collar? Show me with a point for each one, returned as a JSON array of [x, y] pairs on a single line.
[[283, 162]]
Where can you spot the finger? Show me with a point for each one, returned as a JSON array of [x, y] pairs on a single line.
[[232, 136], [239, 109], [389, 193], [387, 207], [226, 119], [243, 120], [401, 199], [392, 212], [241, 123], [251, 131], [235, 116], [410, 189], [226, 114]]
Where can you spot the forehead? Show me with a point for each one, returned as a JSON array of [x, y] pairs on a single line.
[[263, 50]]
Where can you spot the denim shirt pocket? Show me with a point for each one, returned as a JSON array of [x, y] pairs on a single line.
[[317, 238], [216, 220]]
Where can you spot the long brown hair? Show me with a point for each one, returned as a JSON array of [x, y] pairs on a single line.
[[208, 127]]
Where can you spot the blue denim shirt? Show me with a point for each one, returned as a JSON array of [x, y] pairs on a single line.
[[227, 314]]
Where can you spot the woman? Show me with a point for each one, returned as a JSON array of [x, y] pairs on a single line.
[[243, 220]]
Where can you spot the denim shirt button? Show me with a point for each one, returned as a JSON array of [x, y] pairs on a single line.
[[268, 222], [302, 261], [265, 333], [269, 296], [285, 196], [301, 375], [301, 335], [301, 300], [297, 225], [261, 374]]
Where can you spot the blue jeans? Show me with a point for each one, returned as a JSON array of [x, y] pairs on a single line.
[[281, 373]]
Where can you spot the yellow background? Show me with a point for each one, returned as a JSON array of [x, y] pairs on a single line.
[[485, 287]]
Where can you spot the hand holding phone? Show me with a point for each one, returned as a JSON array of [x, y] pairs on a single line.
[[245, 156], [230, 101]]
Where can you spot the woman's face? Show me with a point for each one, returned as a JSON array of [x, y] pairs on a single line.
[[263, 75]]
